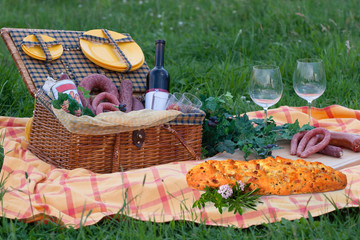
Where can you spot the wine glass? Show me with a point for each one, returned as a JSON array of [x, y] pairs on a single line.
[[265, 86], [309, 80]]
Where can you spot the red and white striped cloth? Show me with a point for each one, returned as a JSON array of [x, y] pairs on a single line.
[[159, 193]]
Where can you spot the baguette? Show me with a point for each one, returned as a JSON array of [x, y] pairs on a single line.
[[279, 176]]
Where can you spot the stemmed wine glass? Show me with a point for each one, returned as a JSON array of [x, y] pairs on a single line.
[[309, 80], [265, 86]]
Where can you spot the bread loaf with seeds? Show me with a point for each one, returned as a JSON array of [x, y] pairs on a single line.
[[279, 176]]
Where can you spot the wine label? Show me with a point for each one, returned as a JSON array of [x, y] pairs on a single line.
[[68, 87], [156, 100]]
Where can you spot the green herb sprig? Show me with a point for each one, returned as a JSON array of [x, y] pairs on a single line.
[[70, 105], [239, 199], [224, 131]]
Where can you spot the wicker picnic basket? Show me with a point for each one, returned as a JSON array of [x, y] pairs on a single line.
[[178, 140]]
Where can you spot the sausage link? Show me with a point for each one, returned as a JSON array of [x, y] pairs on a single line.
[[312, 142], [295, 140], [64, 76], [136, 104], [97, 83], [106, 106], [319, 146], [105, 96], [332, 150], [346, 140], [85, 102], [126, 91]]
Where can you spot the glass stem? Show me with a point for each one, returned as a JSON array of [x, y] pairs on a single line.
[[309, 105], [265, 119]]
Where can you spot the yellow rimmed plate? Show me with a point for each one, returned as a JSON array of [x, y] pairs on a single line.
[[36, 52], [105, 55], [134, 67]]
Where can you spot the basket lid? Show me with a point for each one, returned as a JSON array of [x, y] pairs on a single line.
[[72, 61]]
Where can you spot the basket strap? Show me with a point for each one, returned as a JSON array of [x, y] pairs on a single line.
[[182, 140], [110, 40]]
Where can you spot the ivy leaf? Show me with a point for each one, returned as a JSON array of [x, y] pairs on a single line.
[[85, 92], [239, 132], [211, 104], [226, 146]]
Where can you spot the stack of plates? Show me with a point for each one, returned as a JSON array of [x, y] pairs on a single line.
[[36, 51], [104, 55]]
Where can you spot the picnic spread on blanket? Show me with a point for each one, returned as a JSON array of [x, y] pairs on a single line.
[[103, 141]]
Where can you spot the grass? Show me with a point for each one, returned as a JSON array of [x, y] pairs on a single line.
[[210, 49], [337, 225]]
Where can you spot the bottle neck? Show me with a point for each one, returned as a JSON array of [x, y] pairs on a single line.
[[159, 54]]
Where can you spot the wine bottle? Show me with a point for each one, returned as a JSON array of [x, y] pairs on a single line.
[[157, 81]]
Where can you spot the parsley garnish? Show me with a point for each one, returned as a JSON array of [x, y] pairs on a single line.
[[235, 198], [70, 105]]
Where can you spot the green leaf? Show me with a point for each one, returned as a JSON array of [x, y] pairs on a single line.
[[226, 146], [236, 203], [59, 101], [211, 104], [239, 132], [85, 92], [88, 112], [73, 106]]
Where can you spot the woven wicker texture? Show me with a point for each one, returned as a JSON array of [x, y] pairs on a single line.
[[51, 142]]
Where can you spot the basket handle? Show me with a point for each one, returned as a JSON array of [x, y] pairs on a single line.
[[181, 139]]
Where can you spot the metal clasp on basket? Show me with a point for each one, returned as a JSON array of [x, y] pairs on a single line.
[[138, 138]]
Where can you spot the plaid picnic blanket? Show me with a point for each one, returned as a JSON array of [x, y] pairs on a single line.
[[35, 190]]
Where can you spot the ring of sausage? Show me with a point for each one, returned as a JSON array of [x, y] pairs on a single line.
[[102, 107], [310, 143], [104, 96], [100, 83], [295, 140], [315, 148]]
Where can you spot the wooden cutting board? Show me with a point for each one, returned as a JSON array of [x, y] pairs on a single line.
[[348, 159]]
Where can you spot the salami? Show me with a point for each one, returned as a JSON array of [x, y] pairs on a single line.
[[126, 97], [346, 140], [97, 83], [136, 104], [104, 97], [64, 76], [106, 107]]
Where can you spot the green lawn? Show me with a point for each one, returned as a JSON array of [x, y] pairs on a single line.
[[210, 49]]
